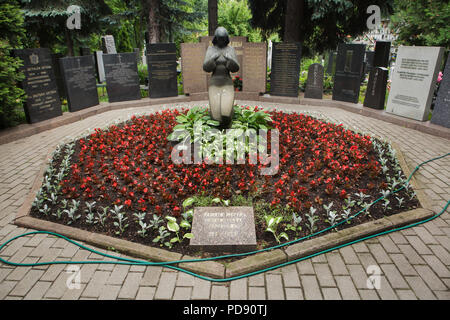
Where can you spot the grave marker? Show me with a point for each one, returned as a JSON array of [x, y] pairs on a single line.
[[413, 81], [314, 83], [285, 69], [441, 111], [162, 70]]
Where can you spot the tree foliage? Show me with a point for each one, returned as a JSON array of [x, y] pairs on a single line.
[[422, 22], [319, 24], [235, 16], [11, 96]]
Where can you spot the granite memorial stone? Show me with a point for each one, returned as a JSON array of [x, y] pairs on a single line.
[[382, 54], [413, 81], [441, 111], [80, 82], [314, 82], [43, 100], [376, 88], [100, 70], [285, 69], [108, 45], [85, 51], [349, 68], [254, 67], [122, 80], [331, 65], [223, 229], [194, 78], [58, 74], [162, 70]]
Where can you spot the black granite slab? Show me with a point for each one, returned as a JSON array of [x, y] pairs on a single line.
[[162, 70], [376, 88], [122, 80], [441, 111], [80, 82], [43, 101], [314, 83], [285, 68]]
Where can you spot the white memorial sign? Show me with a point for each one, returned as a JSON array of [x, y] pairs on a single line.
[[413, 81]]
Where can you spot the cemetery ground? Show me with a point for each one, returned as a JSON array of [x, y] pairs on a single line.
[[414, 263]]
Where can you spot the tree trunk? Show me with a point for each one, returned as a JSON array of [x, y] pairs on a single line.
[[293, 19], [69, 43], [153, 21], [212, 17]]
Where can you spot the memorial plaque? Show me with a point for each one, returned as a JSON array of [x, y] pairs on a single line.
[[413, 81], [108, 45], [122, 80], [43, 100], [99, 68], [58, 74], [80, 83], [441, 111], [314, 83], [254, 67], [285, 69], [376, 88], [162, 70], [194, 78], [349, 68], [224, 229], [382, 54]]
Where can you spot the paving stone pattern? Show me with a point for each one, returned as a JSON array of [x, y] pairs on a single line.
[[414, 263]]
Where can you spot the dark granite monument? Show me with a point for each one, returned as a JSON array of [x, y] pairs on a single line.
[[376, 88], [314, 83], [369, 61], [285, 69], [441, 111], [162, 70], [122, 80], [58, 74], [349, 67], [382, 54], [85, 51], [80, 83], [194, 78], [254, 67], [224, 229], [43, 100]]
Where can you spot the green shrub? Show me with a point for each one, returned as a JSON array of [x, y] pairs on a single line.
[[11, 96]]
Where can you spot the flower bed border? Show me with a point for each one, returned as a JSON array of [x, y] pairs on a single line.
[[245, 265]]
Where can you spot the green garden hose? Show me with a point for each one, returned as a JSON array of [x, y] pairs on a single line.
[[170, 264]]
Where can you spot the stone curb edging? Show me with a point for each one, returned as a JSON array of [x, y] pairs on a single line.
[[245, 265], [26, 130]]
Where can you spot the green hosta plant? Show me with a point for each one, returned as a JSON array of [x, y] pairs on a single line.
[[173, 226], [196, 116], [272, 226]]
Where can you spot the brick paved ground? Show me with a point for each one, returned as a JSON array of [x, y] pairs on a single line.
[[414, 263]]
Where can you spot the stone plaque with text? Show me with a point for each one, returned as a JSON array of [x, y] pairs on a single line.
[[162, 70], [441, 111], [80, 82], [108, 44], [43, 100], [285, 69], [413, 81], [314, 83], [225, 229], [382, 54], [254, 67], [349, 70], [122, 80], [194, 78], [99, 66]]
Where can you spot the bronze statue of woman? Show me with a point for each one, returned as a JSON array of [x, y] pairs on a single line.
[[221, 59]]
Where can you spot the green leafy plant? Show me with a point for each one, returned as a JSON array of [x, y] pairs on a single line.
[[295, 226], [312, 219], [163, 234], [272, 226]]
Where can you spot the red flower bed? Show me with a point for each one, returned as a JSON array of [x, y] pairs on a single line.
[[130, 165]]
